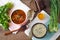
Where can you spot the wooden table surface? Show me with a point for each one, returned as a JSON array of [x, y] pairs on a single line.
[[18, 36]]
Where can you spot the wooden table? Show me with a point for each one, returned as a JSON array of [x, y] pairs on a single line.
[[18, 36]]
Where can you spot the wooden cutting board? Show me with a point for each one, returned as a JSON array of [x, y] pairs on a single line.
[[31, 4]]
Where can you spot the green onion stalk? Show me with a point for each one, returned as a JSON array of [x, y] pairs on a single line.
[[54, 13]]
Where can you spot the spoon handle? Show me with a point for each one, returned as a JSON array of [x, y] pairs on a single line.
[[9, 32], [23, 28]]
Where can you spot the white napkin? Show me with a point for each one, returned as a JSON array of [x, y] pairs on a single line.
[[36, 20], [17, 5], [14, 27]]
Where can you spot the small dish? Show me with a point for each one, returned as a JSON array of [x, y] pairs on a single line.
[[39, 30]]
